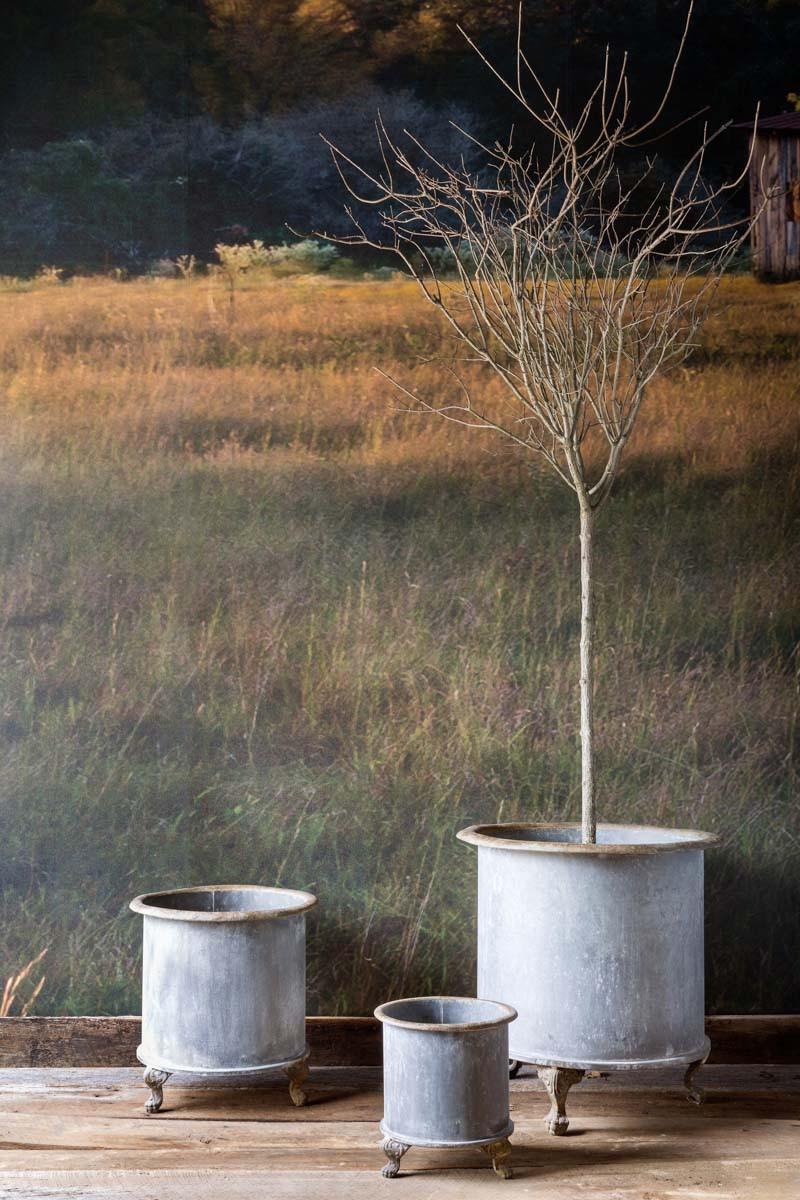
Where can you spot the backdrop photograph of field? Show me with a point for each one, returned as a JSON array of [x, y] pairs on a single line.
[[261, 623], [265, 619]]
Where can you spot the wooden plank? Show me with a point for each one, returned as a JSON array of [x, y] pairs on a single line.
[[84, 1141], [353, 1105], [661, 1181], [793, 226], [345, 1041], [354, 1094], [64, 1136], [754, 1039], [112, 1041], [334, 1041], [68, 1041]]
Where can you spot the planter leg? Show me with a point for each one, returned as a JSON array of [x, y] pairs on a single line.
[[695, 1094], [558, 1081], [155, 1080], [498, 1152], [394, 1151], [298, 1074], [513, 1068]]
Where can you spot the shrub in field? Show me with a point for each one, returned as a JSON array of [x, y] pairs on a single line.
[[383, 274], [49, 275], [308, 257], [163, 268], [235, 261], [186, 265], [444, 260], [13, 283]]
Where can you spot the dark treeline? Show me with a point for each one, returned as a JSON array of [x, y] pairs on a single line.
[[131, 129]]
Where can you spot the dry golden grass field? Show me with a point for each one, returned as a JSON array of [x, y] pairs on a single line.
[[261, 625]]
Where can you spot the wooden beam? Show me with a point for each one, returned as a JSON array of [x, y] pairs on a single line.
[[334, 1041], [112, 1041], [754, 1039]]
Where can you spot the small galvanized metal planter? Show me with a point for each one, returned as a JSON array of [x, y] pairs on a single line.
[[445, 1077], [599, 947], [223, 984]]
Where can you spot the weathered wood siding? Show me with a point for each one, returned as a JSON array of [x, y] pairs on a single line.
[[775, 170], [334, 1041]]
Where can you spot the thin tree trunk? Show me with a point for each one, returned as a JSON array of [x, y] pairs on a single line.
[[588, 823]]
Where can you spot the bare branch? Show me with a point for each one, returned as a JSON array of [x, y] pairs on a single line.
[[570, 277]]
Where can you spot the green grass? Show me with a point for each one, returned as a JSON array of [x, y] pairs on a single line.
[[259, 627]]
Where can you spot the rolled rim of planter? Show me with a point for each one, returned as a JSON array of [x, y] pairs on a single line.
[[563, 837], [445, 1014], [223, 902]]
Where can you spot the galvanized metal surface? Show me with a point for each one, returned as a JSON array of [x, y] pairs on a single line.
[[599, 948], [445, 1071], [223, 987]]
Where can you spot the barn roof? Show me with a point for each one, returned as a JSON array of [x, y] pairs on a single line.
[[784, 122]]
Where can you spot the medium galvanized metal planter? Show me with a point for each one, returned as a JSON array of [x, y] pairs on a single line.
[[599, 947], [445, 1076], [223, 983]]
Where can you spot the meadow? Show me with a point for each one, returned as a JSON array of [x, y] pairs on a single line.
[[259, 624]]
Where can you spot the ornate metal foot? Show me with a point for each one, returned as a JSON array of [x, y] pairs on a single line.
[[558, 1081], [513, 1068], [155, 1080], [394, 1151], [498, 1152], [298, 1074], [695, 1094]]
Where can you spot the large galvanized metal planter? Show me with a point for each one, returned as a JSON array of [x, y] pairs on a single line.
[[223, 983], [598, 947], [445, 1076]]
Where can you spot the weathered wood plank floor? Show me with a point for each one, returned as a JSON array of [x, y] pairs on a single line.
[[82, 1133]]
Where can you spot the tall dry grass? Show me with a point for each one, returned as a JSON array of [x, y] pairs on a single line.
[[260, 625]]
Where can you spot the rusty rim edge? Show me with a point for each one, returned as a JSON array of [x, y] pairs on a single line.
[[506, 1015], [689, 839], [139, 904]]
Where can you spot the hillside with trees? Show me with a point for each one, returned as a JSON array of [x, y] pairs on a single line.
[[134, 129]]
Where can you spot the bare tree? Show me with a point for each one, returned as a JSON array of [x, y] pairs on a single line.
[[574, 281]]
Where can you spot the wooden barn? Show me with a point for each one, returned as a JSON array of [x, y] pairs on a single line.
[[775, 170]]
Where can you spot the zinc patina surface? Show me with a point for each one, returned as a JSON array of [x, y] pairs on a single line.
[[445, 1065], [599, 947], [223, 982]]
